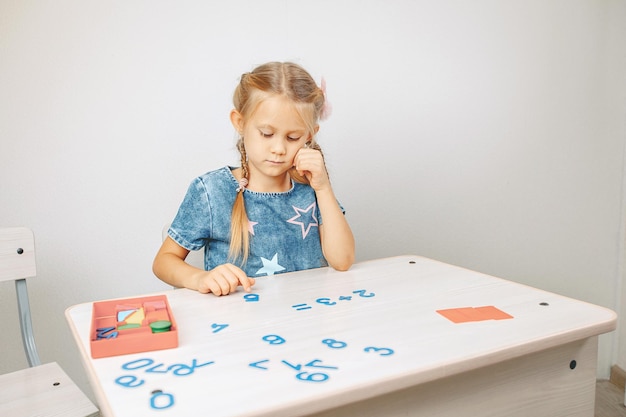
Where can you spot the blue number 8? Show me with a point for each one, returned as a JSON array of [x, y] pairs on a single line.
[[334, 344]]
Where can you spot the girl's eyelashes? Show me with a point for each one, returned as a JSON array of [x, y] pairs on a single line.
[[270, 134]]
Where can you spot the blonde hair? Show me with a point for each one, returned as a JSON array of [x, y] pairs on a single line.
[[273, 78]]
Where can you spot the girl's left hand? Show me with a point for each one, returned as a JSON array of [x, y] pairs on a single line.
[[310, 163]]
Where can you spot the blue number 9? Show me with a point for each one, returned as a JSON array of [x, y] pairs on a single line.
[[274, 339]]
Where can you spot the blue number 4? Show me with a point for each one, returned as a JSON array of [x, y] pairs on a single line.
[[315, 363]]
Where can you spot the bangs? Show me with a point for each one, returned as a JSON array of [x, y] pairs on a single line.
[[306, 111]]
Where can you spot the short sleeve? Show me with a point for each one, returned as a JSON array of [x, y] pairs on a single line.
[[191, 227]]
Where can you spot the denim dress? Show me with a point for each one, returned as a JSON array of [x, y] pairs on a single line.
[[283, 227]]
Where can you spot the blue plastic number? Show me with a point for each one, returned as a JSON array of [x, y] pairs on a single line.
[[334, 344], [361, 293], [315, 363], [296, 367], [326, 301], [218, 327], [251, 298], [129, 381], [312, 377], [180, 369], [385, 351], [274, 339], [139, 363], [161, 400], [158, 369]]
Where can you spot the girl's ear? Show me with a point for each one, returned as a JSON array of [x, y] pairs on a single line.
[[237, 120], [315, 130]]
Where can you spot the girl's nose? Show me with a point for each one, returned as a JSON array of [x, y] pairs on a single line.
[[278, 146]]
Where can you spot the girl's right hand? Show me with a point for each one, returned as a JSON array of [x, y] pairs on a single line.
[[223, 279]]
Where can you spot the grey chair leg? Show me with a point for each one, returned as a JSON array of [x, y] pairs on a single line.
[[26, 325]]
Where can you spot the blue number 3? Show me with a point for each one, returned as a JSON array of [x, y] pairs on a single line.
[[382, 351], [325, 300]]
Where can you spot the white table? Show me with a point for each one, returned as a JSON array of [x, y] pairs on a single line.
[[367, 342]]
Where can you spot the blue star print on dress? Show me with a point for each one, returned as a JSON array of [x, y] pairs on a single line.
[[305, 218], [270, 266]]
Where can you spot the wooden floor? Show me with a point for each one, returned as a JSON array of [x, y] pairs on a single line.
[[609, 400]]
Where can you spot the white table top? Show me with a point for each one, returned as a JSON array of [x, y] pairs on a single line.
[[345, 336]]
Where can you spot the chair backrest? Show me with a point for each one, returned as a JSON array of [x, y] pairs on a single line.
[[17, 254], [42, 390], [17, 262], [195, 257]]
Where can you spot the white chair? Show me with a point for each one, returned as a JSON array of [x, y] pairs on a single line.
[[194, 258], [40, 390]]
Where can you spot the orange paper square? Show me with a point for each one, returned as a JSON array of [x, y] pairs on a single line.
[[468, 314]]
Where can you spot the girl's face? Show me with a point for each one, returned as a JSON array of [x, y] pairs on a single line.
[[273, 135]]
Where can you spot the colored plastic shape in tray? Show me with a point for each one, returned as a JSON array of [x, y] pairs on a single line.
[[120, 327]]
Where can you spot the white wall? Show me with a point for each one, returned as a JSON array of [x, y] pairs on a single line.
[[487, 134]]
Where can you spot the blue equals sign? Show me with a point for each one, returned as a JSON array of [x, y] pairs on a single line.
[[302, 306]]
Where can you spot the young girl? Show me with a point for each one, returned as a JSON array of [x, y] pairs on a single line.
[[277, 212]]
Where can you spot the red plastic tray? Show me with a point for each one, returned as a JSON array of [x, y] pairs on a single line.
[[109, 338]]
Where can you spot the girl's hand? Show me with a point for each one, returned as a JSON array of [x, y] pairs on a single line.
[[223, 280], [310, 163]]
